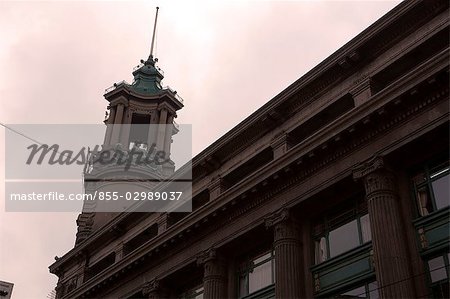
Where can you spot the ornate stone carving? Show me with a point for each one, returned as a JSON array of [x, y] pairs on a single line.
[[150, 286], [154, 289], [376, 176], [277, 217], [85, 222], [365, 168]]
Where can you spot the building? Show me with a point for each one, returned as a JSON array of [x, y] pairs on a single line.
[[6, 289], [338, 187]]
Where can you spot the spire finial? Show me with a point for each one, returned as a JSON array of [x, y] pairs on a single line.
[[150, 58]]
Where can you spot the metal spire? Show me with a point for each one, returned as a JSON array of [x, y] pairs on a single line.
[[153, 38]]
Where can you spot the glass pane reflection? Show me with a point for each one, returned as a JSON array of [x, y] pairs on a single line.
[[260, 277], [343, 238], [441, 192]]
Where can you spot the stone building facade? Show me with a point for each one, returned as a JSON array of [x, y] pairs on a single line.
[[338, 187]]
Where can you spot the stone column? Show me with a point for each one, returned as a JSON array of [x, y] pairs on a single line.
[[117, 124], [109, 127], [215, 275], [126, 128], [153, 129], [390, 251], [288, 255], [154, 290], [168, 136], [161, 130]]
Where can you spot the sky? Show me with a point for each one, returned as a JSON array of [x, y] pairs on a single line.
[[225, 58]]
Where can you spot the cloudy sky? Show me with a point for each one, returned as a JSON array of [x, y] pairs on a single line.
[[225, 58]]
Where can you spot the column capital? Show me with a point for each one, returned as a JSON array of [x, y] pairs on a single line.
[[277, 217], [207, 255], [284, 225], [376, 176], [367, 167], [152, 286]]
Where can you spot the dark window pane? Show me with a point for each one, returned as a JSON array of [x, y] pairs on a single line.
[[441, 290], [343, 238], [441, 192], [437, 269]]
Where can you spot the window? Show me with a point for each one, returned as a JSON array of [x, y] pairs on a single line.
[[256, 274], [342, 232], [431, 186], [438, 274], [368, 290]]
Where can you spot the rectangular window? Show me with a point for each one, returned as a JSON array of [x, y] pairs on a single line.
[[256, 274], [432, 188], [438, 274], [339, 234]]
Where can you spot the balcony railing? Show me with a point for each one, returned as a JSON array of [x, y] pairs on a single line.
[[180, 99], [115, 85]]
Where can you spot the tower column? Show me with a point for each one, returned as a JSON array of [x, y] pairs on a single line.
[[215, 275], [168, 136], [117, 124], [389, 247], [161, 129], [126, 128], [288, 255], [109, 127], [153, 130]]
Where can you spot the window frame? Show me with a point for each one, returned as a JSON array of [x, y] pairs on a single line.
[[366, 293], [442, 169], [446, 257], [246, 267], [357, 211]]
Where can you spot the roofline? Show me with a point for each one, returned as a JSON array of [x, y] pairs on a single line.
[[310, 76]]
